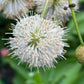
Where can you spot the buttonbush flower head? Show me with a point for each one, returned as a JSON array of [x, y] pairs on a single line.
[[2, 3], [37, 41], [15, 8], [59, 9], [80, 54], [30, 4]]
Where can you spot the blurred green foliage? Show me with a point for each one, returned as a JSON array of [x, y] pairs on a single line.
[[66, 72]]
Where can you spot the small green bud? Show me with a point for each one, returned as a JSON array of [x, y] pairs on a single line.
[[80, 54]]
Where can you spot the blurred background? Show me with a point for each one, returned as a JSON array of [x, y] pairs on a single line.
[[66, 72]]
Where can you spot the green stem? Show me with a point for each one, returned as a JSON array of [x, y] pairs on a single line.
[[44, 11], [76, 24]]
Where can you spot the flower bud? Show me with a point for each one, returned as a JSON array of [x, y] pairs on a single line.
[[80, 54]]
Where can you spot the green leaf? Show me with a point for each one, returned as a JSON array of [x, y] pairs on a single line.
[[36, 78], [80, 20], [72, 74], [64, 68]]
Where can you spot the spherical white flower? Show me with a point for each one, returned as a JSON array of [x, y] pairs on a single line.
[[37, 41], [2, 3], [15, 8], [30, 4], [59, 9]]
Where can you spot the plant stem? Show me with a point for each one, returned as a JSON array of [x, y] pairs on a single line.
[[76, 24], [44, 11]]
